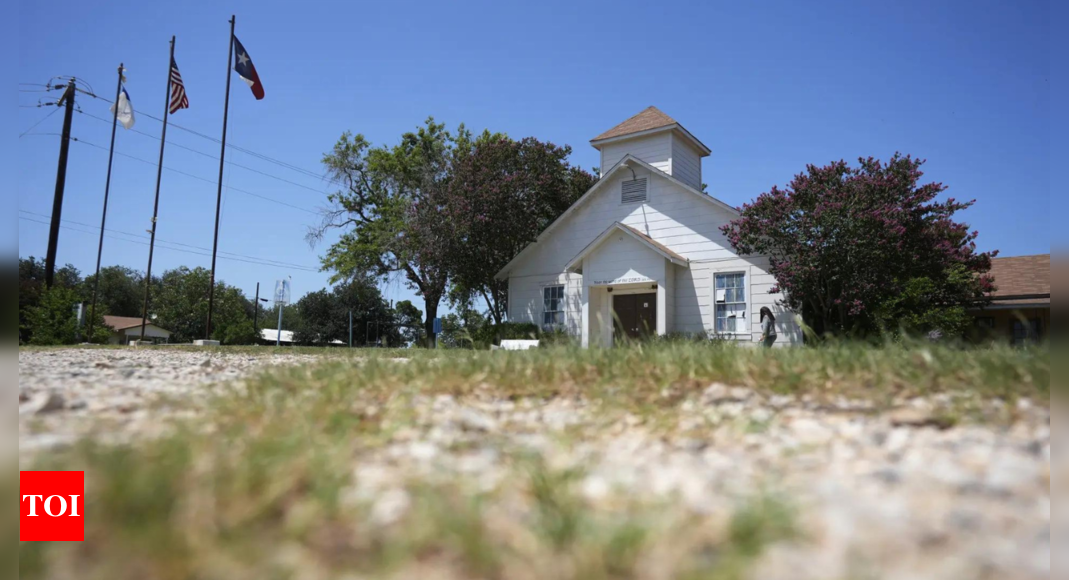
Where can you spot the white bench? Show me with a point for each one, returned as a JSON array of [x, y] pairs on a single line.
[[515, 345]]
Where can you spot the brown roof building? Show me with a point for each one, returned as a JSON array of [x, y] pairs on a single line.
[[1021, 279], [1020, 305], [128, 328]]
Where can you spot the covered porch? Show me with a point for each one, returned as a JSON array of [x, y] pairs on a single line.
[[628, 286]]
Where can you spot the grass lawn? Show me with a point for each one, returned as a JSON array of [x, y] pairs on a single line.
[[266, 482]]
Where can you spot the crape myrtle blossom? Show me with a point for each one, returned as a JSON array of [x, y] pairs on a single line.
[[843, 242]]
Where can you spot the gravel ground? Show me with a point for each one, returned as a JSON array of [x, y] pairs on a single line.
[[892, 496], [68, 393], [897, 495]]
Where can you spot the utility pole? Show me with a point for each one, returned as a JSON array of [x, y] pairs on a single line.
[[256, 316], [350, 328], [61, 180]]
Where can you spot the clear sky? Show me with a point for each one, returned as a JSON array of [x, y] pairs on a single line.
[[768, 86]]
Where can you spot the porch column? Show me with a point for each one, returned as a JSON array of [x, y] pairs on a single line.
[[662, 309], [584, 325]]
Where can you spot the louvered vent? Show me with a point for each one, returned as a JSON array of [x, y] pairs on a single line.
[[634, 191]]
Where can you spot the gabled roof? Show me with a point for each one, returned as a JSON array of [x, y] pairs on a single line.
[[649, 120], [118, 323], [628, 159], [1023, 276], [641, 237]]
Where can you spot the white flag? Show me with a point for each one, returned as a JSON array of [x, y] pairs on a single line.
[[126, 110]]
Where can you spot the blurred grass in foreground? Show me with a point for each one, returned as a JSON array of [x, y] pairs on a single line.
[[258, 485]]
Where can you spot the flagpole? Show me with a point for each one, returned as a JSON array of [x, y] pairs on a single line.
[[219, 190], [156, 204], [104, 214]]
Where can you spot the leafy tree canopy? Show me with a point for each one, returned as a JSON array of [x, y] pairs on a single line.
[[866, 249], [181, 306], [378, 202], [503, 193]]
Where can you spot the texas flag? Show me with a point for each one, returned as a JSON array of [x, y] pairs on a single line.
[[245, 69]]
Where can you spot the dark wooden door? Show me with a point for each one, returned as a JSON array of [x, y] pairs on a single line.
[[635, 315]]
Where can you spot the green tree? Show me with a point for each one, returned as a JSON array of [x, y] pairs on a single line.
[[379, 204], [408, 319], [291, 316], [53, 320], [32, 284], [121, 291], [181, 306], [324, 314], [502, 194]]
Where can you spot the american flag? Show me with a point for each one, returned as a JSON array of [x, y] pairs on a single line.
[[178, 90]]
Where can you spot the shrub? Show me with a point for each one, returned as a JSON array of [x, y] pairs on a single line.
[[53, 322]]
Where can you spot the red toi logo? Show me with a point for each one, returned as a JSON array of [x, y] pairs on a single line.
[[51, 506]]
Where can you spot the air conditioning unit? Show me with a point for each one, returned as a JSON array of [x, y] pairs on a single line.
[[721, 295]]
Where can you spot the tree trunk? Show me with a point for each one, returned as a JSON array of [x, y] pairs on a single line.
[[494, 307], [431, 304]]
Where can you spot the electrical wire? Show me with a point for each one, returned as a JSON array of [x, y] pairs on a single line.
[[45, 118], [260, 156], [210, 156], [197, 177], [165, 247], [158, 239]]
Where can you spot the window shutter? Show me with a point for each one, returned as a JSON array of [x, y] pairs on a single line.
[[634, 191]]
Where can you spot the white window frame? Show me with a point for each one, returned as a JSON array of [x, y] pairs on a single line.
[[733, 296], [554, 318]]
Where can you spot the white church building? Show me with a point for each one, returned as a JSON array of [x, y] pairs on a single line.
[[642, 251]]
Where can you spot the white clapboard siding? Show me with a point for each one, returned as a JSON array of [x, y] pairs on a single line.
[[526, 302], [622, 256], [679, 219], [653, 149], [686, 162]]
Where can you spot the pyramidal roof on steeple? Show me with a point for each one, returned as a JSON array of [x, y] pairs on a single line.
[[649, 119]]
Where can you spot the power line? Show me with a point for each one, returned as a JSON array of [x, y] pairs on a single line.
[[256, 262], [210, 156], [261, 156], [97, 230], [45, 118], [190, 175]]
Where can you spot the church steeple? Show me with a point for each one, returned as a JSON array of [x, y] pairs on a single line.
[[657, 139]]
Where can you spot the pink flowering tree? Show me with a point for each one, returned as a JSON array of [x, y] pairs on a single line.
[[867, 249]]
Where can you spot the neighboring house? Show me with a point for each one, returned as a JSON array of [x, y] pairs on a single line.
[[1020, 306], [270, 336], [127, 328], [642, 252]]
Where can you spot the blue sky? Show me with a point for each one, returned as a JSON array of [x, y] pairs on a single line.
[[768, 86]]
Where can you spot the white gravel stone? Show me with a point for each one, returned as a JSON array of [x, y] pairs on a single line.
[[811, 432], [390, 507], [71, 389], [473, 420]]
